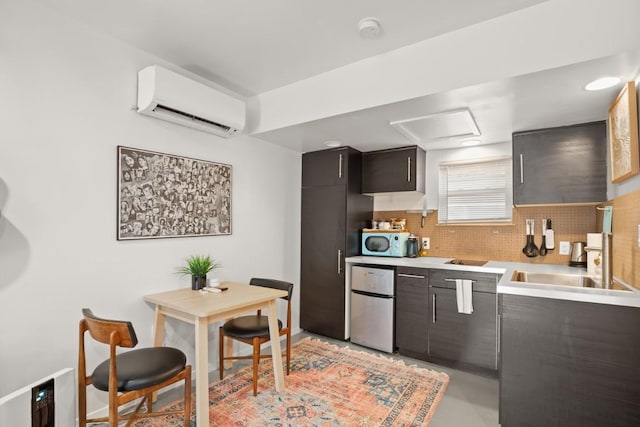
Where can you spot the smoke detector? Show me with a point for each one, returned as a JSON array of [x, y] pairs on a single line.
[[369, 28]]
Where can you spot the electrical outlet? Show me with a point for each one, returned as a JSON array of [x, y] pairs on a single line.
[[426, 242], [565, 248]]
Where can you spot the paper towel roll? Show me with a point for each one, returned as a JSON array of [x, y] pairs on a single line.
[[594, 240]]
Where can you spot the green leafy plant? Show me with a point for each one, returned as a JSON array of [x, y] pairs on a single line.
[[198, 265]]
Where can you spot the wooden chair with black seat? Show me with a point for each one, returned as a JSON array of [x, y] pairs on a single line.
[[129, 375], [254, 330]]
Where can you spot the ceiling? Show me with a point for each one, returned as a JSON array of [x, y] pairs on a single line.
[[253, 47]]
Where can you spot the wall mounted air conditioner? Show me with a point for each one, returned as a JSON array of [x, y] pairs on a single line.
[[170, 96]]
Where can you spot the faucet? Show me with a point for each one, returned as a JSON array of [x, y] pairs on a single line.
[[607, 260]]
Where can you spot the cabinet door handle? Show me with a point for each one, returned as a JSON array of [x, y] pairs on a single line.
[[433, 308], [413, 276], [339, 263], [408, 169], [498, 339], [340, 167], [498, 333], [521, 168]]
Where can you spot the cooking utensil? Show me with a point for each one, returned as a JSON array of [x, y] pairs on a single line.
[[543, 245], [530, 249], [550, 235]]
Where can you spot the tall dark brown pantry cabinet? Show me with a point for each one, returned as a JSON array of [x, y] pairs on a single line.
[[333, 214]]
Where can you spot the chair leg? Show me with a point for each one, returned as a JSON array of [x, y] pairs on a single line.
[[256, 360], [187, 397], [113, 415], [82, 405], [221, 352], [149, 402]]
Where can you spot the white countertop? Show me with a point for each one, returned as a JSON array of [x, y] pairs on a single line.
[[506, 286]]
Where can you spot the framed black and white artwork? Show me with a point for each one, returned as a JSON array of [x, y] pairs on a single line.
[[165, 195]]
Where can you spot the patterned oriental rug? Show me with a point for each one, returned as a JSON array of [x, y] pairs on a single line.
[[328, 386]]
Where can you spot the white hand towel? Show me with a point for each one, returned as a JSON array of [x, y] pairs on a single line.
[[464, 297]]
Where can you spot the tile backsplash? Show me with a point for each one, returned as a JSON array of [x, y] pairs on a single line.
[[502, 242], [626, 254], [505, 242]]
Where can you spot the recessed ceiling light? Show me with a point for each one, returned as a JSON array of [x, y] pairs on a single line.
[[602, 83], [333, 144], [470, 143], [369, 28]]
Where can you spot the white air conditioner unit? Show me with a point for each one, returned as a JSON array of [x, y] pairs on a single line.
[[170, 96]]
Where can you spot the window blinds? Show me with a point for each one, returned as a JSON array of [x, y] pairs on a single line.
[[475, 191]]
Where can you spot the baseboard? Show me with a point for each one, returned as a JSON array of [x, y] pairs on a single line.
[[15, 408]]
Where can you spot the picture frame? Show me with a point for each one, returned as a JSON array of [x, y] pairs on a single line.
[[623, 134], [166, 196]]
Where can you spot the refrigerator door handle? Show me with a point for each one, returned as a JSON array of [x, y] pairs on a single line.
[[371, 294]]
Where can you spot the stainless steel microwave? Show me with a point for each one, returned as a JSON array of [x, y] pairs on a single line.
[[384, 243]]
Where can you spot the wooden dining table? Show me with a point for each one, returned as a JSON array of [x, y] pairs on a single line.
[[202, 308]]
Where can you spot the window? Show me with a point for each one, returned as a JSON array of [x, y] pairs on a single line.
[[475, 191]]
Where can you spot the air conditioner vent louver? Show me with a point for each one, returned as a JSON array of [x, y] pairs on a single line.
[[226, 129], [170, 96]]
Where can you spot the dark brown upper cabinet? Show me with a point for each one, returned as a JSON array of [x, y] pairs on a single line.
[[393, 170], [560, 165], [328, 167]]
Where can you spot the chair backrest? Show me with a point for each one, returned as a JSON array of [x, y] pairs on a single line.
[[274, 284], [101, 329]]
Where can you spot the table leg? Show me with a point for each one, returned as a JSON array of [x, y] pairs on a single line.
[[202, 372], [158, 337], [158, 328], [276, 354]]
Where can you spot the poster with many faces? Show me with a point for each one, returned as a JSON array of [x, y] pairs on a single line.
[[165, 195]]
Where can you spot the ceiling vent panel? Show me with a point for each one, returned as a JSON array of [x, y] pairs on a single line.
[[446, 124]]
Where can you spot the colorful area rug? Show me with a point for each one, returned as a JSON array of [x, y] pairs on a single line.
[[328, 386]]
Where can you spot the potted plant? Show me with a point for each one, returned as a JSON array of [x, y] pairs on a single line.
[[197, 267]]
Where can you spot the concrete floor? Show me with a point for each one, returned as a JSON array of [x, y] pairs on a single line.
[[470, 400]]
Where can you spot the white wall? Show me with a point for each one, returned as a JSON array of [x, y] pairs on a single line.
[[64, 107]]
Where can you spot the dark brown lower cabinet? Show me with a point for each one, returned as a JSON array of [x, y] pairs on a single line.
[[412, 312], [567, 363], [458, 339], [429, 326], [464, 339]]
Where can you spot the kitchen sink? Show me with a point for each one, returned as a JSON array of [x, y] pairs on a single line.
[[577, 280], [466, 262]]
